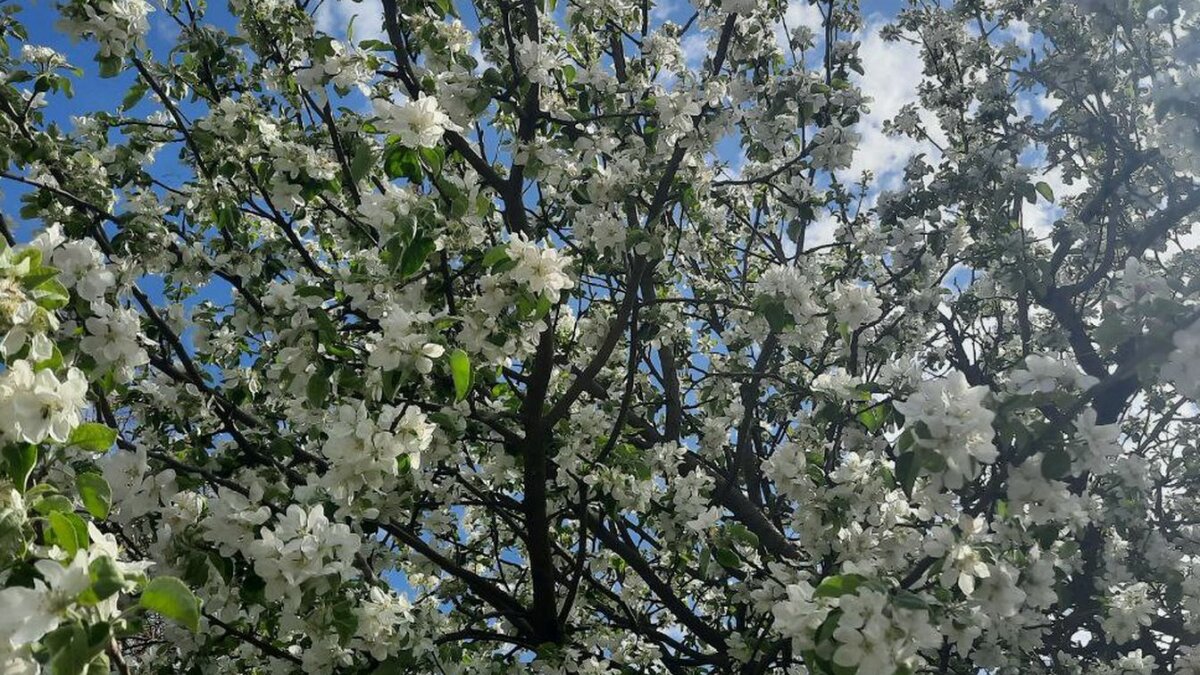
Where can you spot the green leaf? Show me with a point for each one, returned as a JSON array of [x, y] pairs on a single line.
[[909, 600], [20, 460], [311, 292], [434, 158], [495, 255], [742, 534], [74, 646], [134, 95], [907, 470], [51, 295], [51, 363], [402, 162], [317, 388], [1056, 463], [839, 585], [53, 503], [38, 277], [460, 370], [33, 255], [68, 531], [873, 417], [107, 579], [169, 597], [844, 332], [361, 164], [401, 664], [345, 620], [109, 67], [727, 558], [415, 255], [772, 309], [1045, 190], [95, 493], [93, 436]]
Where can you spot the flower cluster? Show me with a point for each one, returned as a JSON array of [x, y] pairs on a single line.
[[302, 545], [113, 339], [947, 416], [418, 123], [540, 269], [36, 405], [118, 26], [404, 343], [1182, 368], [364, 451]]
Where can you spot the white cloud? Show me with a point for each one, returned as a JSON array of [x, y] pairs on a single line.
[[695, 48], [820, 232], [334, 17], [798, 13], [892, 74], [1040, 216], [1020, 33]]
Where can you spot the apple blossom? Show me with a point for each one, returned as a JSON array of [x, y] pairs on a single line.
[[600, 337]]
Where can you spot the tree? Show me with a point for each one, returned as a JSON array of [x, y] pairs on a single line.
[[577, 337]]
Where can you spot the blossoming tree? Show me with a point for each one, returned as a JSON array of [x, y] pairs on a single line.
[[574, 338]]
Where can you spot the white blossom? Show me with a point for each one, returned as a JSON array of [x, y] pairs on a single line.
[[419, 123]]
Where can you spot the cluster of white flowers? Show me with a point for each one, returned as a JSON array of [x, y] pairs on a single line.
[[877, 637], [1182, 368], [238, 118], [27, 613], [541, 269], [1139, 286], [293, 163], [963, 560], [799, 615], [855, 305], [837, 384], [788, 468], [998, 593], [1044, 374], [1130, 608], [692, 502], [36, 405], [1176, 90], [303, 545], [603, 230], [1097, 444], [117, 25], [363, 450], [959, 426], [80, 263], [833, 147], [22, 321], [540, 61], [234, 518], [384, 620], [419, 124], [136, 490], [386, 210], [794, 288], [43, 56], [113, 340], [341, 68], [404, 343]]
